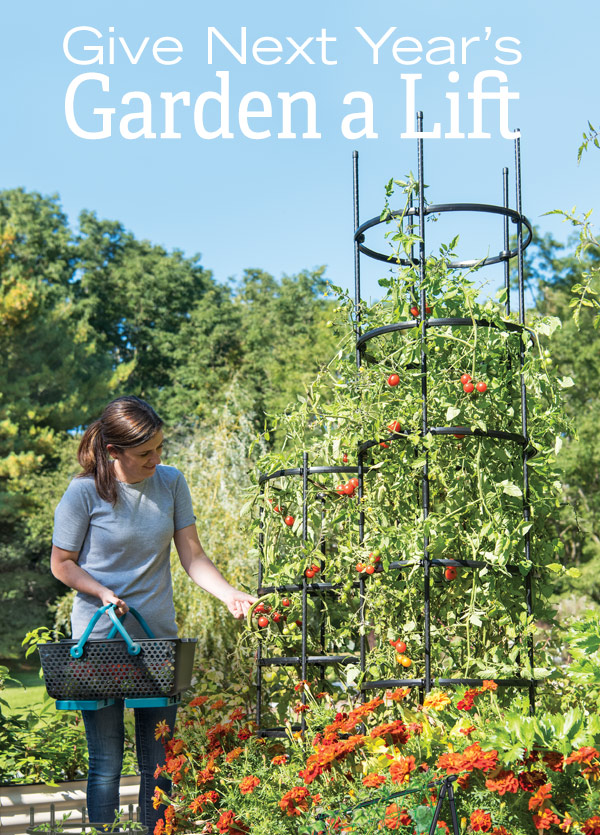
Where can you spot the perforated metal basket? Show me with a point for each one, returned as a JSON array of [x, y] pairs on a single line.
[[117, 667]]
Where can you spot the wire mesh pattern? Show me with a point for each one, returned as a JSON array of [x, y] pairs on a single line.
[[107, 670], [370, 348]]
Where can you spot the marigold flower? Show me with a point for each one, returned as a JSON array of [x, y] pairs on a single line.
[[162, 730], [216, 705], [295, 801], [280, 759], [398, 694], [301, 685], [463, 781], [197, 804], [400, 769], [157, 798], [238, 713], [583, 755], [468, 730], [372, 781], [591, 826], [300, 708], [248, 784], [395, 732], [481, 821], [503, 782], [489, 685], [500, 830], [198, 701], [244, 733], [553, 760], [566, 823], [537, 800], [233, 754], [529, 781], [436, 701], [468, 700], [159, 827], [545, 819]]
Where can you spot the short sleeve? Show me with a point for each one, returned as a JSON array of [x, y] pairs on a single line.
[[72, 518], [183, 514]]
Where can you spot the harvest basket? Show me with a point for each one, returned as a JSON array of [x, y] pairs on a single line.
[[121, 668]]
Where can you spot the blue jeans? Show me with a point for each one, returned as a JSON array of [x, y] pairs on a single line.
[[105, 739]]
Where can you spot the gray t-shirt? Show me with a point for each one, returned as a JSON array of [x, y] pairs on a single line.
[[126, 547]]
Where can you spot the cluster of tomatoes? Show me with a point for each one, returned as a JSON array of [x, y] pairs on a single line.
[[370, 566], [265, 615], [469, 386], [348, 488], [400, 647], [311, 571], [289, 519], [415, 311]]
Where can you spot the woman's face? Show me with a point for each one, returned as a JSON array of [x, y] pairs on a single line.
[[139, 462]]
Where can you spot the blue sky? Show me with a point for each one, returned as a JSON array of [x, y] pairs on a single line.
[[286, 204]]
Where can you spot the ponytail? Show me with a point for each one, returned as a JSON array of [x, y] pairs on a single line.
[[125, 422], [93, 458]]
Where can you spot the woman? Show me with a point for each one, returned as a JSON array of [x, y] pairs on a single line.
[[112, 538]]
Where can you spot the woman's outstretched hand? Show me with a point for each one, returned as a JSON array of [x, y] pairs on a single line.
[[239, 602]]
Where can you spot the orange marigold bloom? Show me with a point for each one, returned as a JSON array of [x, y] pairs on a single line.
[[436, 701], [583, 755], [503, 782], [157, 798], [159, 827], [489, 685], [400, 770], [395, 732], [295, 801], [398, 694], [537, 800], [566, 823], [468, 700], [591, 826], [198, 701], [481, 821], [371, 781], [244, 733], [300, 708], [197, 804], [280, 759], [468, 730], [500, 830], [301, 685], [545, 819], [395, 817], [248, 784], [216, 705], [463, 781], [162, 730], [238, 713], [233, 754]]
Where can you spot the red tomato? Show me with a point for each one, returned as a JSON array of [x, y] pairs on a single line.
[[383, 445], [394, 426], [340, 489], [316, 568], [450, 573], [277, 509], [468, 388], [414, 310], [360, 566], [466, 378], [393, 380], [459, 437], [405, 661], [345, 458], [370, 569], [400, 646], [373, 558], [260, 607], [427, 309], [348, 489], [309, 573], [289, 521], [285, 602], [263, 621], [481, 387], [277, 616], [354, 482]]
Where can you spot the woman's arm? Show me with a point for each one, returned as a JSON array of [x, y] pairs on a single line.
[[206, 575], [63, 565]]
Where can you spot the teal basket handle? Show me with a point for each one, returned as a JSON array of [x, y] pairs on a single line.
[[140, 620], [132, 647]]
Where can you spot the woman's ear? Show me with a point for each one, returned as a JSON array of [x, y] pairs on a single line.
[[112, 451]]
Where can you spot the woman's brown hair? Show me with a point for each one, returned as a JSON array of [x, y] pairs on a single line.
[[125, 422]]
